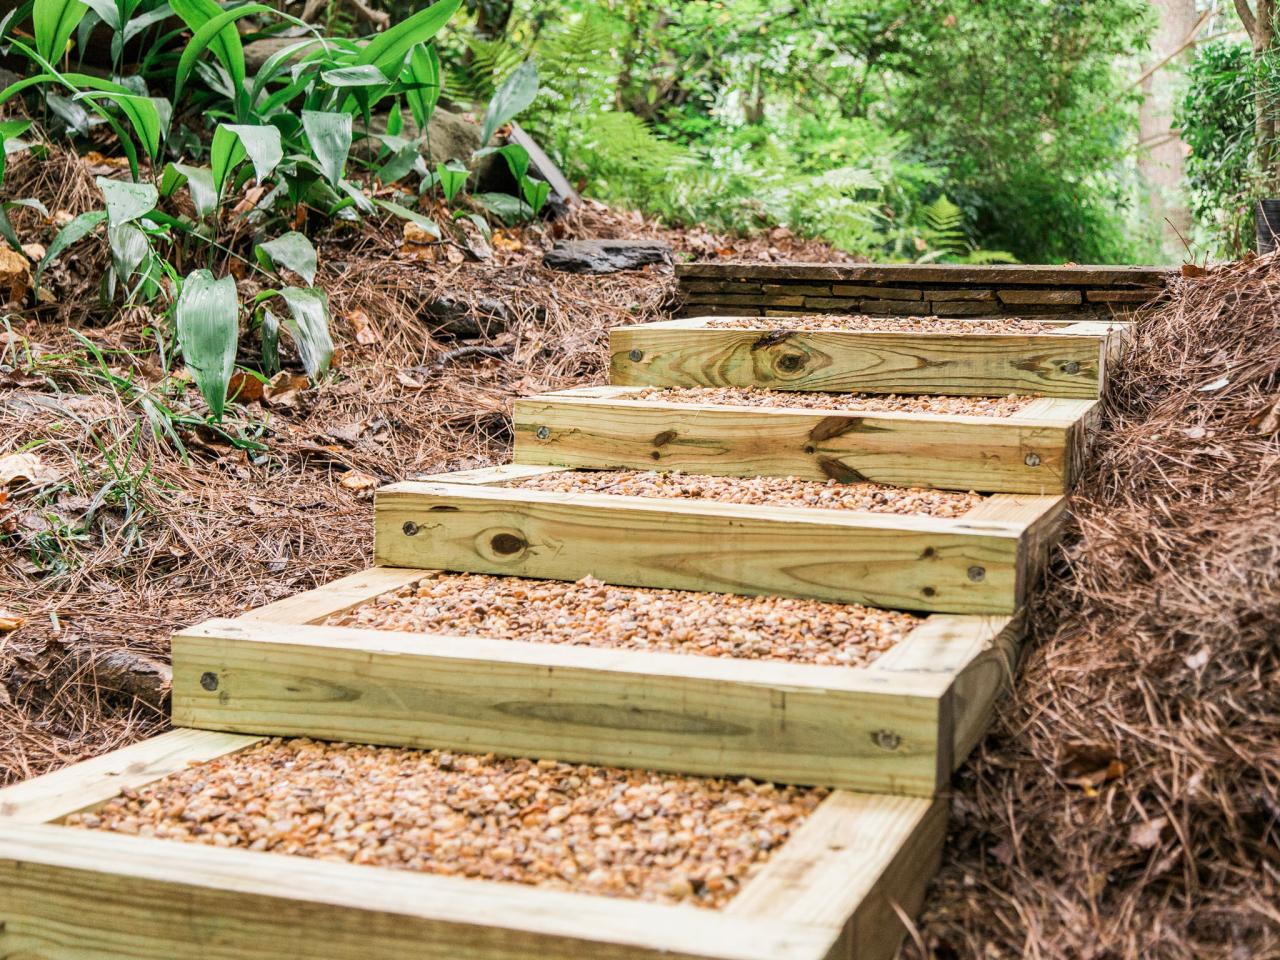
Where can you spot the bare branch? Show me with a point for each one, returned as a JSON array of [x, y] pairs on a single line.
[[1247, 18]]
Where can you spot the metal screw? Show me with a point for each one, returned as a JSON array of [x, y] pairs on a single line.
[[209, 681], [1032, 459], [1071, 366], [886, 740], [977, 574], [636, 356], [410, 528], [543, 433]]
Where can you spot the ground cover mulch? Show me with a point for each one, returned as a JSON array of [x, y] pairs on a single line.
[[1127, 803]]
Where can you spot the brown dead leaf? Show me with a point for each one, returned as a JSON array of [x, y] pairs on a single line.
[[506, 242], [26, 468], [34, 251], [1193, 270], [405, 380], [283, 389], [10, 621], [62, 217], [1088, 767], [245, 388], [15, 273], [252, 197], [366, 332], [358, 482], [1147, 835], [413, 233], [1268, 420]]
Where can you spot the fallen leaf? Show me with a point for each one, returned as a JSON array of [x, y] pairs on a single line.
[[15, 272], [26, 468], [405, 380], [1197, 660], [413, 233], [359, 482], [10, 621], [62, 217], [252, 197], [34, 251], [1147, 835], [1088, 767], [1268, 421], [1195, 433], [283, 389], [1214, 385], [366, 332], [504, 241], [246, 388], [1192, 270]]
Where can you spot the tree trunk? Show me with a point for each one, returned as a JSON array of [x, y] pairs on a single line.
[[1261, 26], [1161, 152]]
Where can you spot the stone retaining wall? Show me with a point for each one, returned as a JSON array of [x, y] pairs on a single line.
[[944, 290]]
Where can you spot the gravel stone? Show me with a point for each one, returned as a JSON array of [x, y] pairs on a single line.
[[865, 324], [598, 830], [595, 614], [889, 403], [759, 491]]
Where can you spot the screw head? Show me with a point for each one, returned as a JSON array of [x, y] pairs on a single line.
[[543, 433], [636, 355], [209, 680], [886, 740], [1071, 366], [410, 528], [1032, 459], [977, 574]]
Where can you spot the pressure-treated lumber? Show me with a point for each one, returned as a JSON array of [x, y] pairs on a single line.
[[883, 560], [1034, 451], [687, 353], [70, 893]]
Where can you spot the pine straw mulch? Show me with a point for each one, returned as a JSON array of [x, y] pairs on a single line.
[[134, 542], [1127, 804]]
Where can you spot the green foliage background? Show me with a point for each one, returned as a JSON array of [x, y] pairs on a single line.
[[846, 119]]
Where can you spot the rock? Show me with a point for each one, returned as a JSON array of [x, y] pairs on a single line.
[[605, 256], [487, 317]]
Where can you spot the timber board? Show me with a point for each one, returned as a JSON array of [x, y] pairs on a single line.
[[1034, 451], [71, 893], [1067, 363]]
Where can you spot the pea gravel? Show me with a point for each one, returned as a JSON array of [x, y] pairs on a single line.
[[759, 491], [622, 833], [864, 324], [889, 403], [595, 614]]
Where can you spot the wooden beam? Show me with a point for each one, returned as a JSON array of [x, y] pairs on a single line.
[[88, 784], [336, 597], [956, 275], [83, 893], [774, 357], [793, 723], [884, 560], [603, 427]]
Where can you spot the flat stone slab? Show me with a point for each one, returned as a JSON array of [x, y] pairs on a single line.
[[605, 256]]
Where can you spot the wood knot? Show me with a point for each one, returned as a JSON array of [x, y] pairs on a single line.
[[791, 362], [665, 437], [508, 543]]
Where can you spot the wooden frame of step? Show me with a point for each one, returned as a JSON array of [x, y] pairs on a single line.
[[832, 892], [472, 522], [689, 352], [1037, 450], [900, 725]]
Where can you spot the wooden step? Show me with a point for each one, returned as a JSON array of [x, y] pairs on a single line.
[[831, 892], [1070, 362], [1037, 450], [982, 563], [899, 725]]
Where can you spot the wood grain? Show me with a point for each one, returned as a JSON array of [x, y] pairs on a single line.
[[792, 723], [973, 364], [602, 428], [884, 560]]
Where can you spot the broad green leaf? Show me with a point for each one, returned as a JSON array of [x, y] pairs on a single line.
[[54, 21], [407, 156], [395, 120], [330, 137], [208, 320], [426, 223], [107, 10], [75, 231], [422, 74], [144, 115], [505, 207], [294, 251], [309, 325], [387, 49], [226, 45], [515, 94], [366, 75], [129, 247], [535, 193], [127, 201], [280, 61], [211, 34], [10, 130], [453, 177], [73, 115], [199, 183], [270, 342], [232, 142], [517, 158], [142, 21]]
